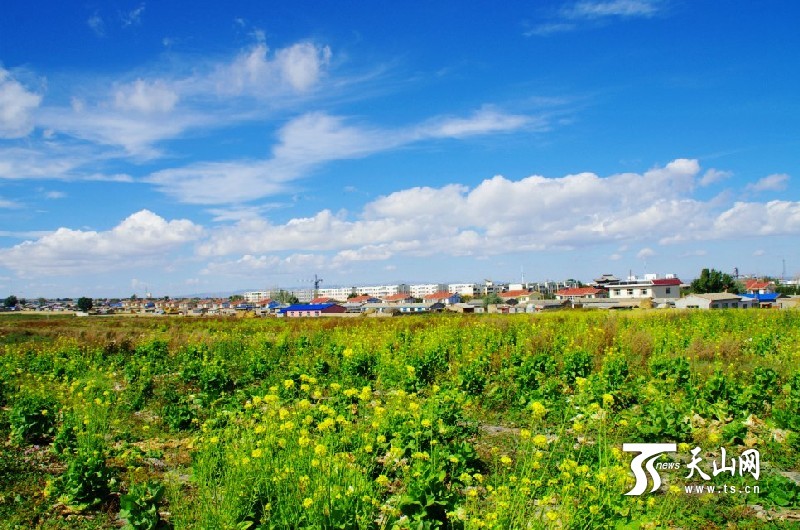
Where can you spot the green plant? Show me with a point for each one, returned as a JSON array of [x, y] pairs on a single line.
[[32, 419], [139, 507]]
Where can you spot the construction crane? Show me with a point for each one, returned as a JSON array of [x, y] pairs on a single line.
[[317, 281]]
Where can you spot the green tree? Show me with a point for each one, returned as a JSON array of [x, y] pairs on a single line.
[[84, 304], [11, 301], [492, 298], [285, 297], [714, 281]]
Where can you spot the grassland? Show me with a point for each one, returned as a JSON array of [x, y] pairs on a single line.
[[480, 421]]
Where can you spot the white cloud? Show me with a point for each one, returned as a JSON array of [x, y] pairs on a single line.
[[53, 195], [612, 8], [8, 204], [496, 216], [306, 142], [646, 253], [16, 107], [302, 64], [254, 72], [576, 15], [775, 182], [500, 215], [484, 121], [759, 252], [747, 219], [143, 237], [132, 17], [96, 23], [147, 97], [713, 176]]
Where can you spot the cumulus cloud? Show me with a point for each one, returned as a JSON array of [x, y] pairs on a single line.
[[495, 216], [16, 107], [776, 182], [143, 237], [500, 215], [758, 219]]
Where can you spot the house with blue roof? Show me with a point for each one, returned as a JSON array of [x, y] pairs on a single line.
[[312, 310], [764, 300]]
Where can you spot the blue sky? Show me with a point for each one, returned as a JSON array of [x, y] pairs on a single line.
[[146, 146]]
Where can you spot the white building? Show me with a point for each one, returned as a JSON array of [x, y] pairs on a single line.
[[648, 287], [464, 289], [254, 297], [424, 289]]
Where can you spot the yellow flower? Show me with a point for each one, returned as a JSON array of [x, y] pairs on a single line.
[[524, 434], [320, 450], [382, 480], [307, 502], [505, 460], [288, 383], [257, 453], [608, 400], [540, 440], [537, 410]]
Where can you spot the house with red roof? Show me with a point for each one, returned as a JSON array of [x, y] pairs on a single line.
[[573, 293], [323, 300], [399, 298], [520, 295], [442, 297], [754, 286]]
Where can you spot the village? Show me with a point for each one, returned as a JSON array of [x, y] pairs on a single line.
[[607, 292]]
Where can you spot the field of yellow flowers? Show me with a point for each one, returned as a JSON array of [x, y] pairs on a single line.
[[462, 422]]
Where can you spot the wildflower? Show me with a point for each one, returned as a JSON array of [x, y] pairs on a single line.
[[382, 481], [537, 410], [505, 460], [540, 440], [257, 453], [608, 400], [594, 509], [320, 450], [288, 383], [307, 502], [524, 434]]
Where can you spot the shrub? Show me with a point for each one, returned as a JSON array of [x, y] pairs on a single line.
[[32, 419]]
